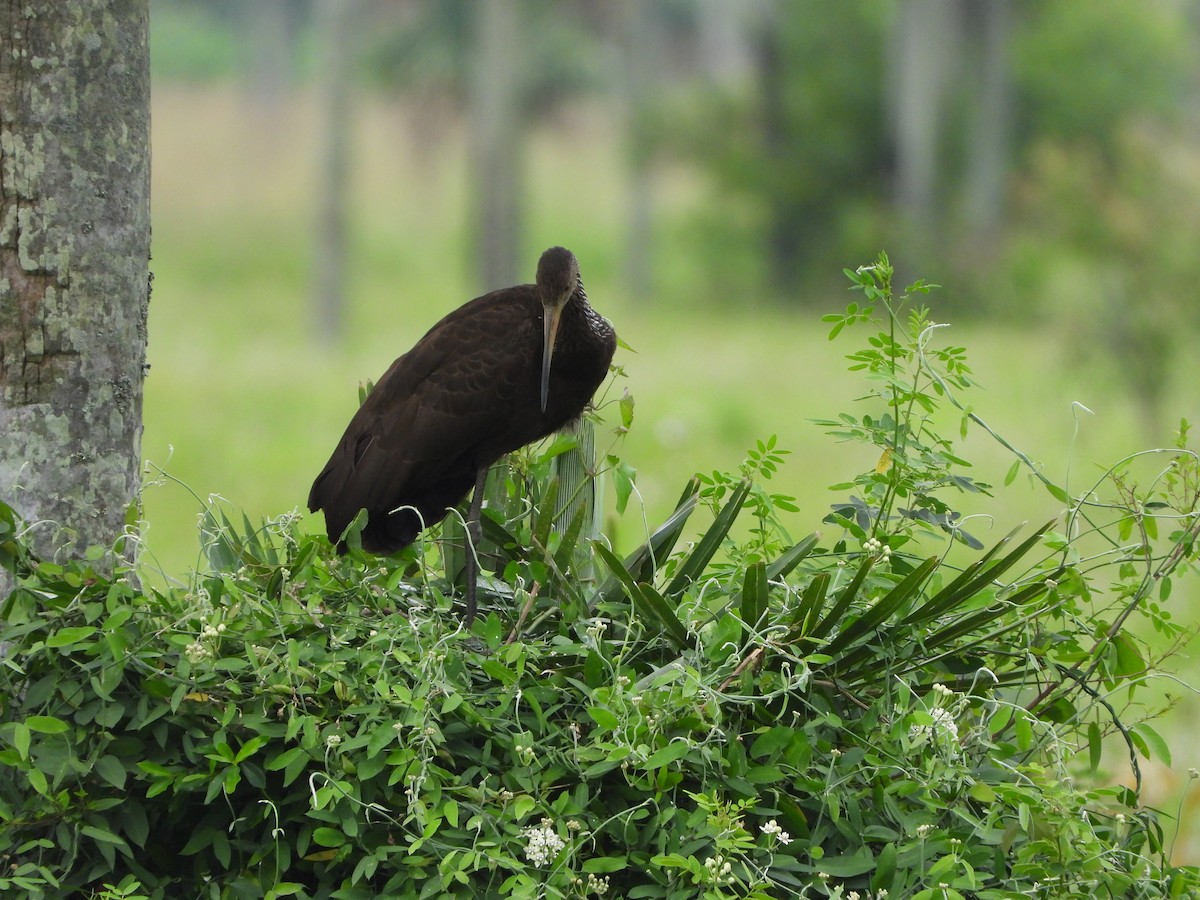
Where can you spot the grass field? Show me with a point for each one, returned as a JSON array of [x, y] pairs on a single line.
[[244, 402]]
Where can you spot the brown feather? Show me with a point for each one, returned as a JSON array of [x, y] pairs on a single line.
[[465, 395]]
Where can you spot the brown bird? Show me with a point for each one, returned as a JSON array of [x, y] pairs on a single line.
[[480, 384]]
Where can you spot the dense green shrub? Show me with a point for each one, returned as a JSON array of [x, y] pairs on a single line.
[[740, 715]]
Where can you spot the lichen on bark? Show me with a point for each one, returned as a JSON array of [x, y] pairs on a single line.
[[74, 263]]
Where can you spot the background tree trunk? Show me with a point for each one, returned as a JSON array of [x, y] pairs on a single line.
[[926, 43], [74, 263], [497, 122], [640, 46], [989, 30], [334, 47]]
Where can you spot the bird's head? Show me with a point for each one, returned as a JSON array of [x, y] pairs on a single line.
[[557, 279]]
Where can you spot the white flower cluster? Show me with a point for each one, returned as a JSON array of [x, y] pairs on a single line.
[[719, 869], [781, 836], [874, 545], [944, 728], [197, 651], [593, 885], [542, 842], [598, 886], [880, 894], [944, 724]]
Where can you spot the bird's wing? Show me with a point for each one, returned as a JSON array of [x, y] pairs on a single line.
[[429, 413]]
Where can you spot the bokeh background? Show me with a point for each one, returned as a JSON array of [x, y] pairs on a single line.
[[330, 177]]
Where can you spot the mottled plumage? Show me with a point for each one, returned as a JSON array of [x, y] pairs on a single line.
[[467, 393]]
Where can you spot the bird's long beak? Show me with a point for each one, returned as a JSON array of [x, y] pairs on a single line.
[[550, 319]]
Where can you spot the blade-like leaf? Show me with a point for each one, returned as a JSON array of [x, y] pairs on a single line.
[[782, 566], [812, 601], [975, 577], [544, 518], [755, 594], [564, 555], [825, 625], [884, 607], [493, 531], [693, 567], [974, 622], [645, 597], [643, 562]]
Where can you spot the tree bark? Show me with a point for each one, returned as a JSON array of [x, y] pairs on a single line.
[[333, 20], [926, 39], [74, 264], [990, 28], [497, 123], [641, 47]]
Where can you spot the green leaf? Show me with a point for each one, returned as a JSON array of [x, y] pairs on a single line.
[[772, 740], [601, 864], [783, 565], [982, 792], [66, 637], [1013, 471], [1057, 493], [46, 724], [812, 601], [603, 717], [328, 837], [646, 598], [650, 556], [697, 561], [103, 835], [979, 575], [1130, 662], [884, 607], [21, 739], [1152, 743], [834, 616], [1095, 746], [885, 868], [755, 595], [626, 406], [111, 770], [668, 754]]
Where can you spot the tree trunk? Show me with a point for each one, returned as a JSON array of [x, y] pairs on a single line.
[[333, 21], [783, 230], [641, 48], [926, 42], [497, 123], [990, 29], [267, 42], [74, 264]]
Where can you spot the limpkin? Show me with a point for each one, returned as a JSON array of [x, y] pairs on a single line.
[[479, 385]]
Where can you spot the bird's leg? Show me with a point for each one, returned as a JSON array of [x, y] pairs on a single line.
[[474, 536]]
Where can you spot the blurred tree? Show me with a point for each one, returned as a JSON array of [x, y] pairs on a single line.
[[641, 46], [989, 35], [334, 21], [723, 45], [507, 65], [926, 45], [1084, 69], [949, 106], [1110, 184], [268, 36], [497, 140], [74, 263], [824, 148]]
